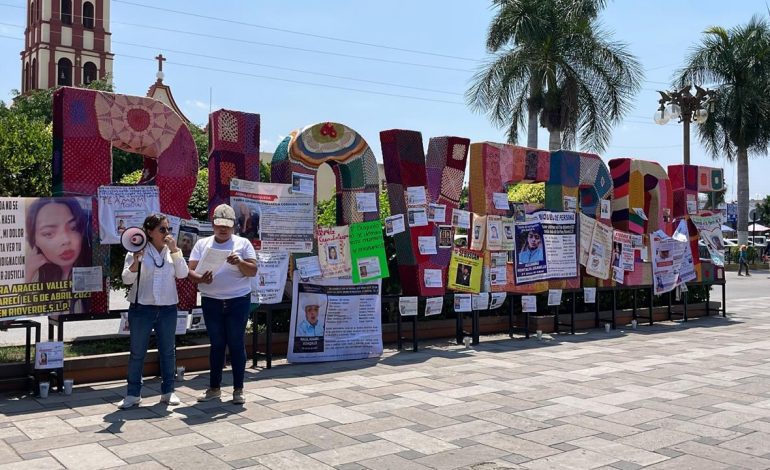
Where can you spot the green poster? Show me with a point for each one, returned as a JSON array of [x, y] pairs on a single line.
[[367, 252]]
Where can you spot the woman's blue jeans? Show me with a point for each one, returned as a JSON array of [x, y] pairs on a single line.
[[142, 319], [226, 324]]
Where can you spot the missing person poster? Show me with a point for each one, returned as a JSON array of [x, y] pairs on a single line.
[[273, 216], [49, 355], [586, 232], [187, 236], [687, 267], [465, 271], [710, 231], [546, 247], [494, 232], [367, 252], [478, 231], [600, 252], [268, 285], [333, 320], [42, 242], [509, 239], [121, 207], [334, 251], [622, 251], [666, 260]]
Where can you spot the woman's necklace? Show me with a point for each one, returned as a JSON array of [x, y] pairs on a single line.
[[154, 261]]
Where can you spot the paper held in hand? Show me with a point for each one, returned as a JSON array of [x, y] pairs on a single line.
[[212, 260]]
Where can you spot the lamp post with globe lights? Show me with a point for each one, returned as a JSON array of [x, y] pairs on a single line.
[[685, 107]]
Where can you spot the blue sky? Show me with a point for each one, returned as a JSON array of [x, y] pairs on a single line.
[[450, 33]]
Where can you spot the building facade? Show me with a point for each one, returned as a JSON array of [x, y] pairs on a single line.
[[66, 43]]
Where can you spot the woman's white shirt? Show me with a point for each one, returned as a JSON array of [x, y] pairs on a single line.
[[228, 282], [157, 285]]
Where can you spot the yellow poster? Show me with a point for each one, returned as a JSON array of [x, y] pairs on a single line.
[[465, 271]]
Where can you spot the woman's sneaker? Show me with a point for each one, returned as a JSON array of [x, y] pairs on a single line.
[[170, 399], [210, 394], [238, 398], [129, 402]]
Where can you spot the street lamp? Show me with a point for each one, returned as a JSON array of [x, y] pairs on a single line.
[[685, 107]]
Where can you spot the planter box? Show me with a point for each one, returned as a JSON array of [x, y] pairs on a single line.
[[195, 358]]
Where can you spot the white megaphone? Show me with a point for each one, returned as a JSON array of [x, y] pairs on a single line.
[[133, 239]]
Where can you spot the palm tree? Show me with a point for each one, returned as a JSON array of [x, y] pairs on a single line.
[[736, 62], [552, 60]]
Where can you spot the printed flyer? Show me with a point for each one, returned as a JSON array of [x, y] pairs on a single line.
[[687, 269], [333, 320], [334, 251], [43, 242], [272, 216], [367, 252], [710, 231], [121, 207], [622, 250], [600, 252], [546, 247], [666, 261], [465, 271], [478, 232], [268, 285], [586, 232]]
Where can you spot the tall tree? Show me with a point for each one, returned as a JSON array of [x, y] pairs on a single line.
[[552, 63], [737, 63]]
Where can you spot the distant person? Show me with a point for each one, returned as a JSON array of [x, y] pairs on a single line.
[[743, 260]]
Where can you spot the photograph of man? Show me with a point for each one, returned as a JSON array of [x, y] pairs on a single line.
[[508, 232], [477, 232], [445, 237], [311, 324], [388, 227], [362, 271], [247, 221], [295, 183], [410, 217], [463, 275], [431, 213], [186, 244], [531, 248]]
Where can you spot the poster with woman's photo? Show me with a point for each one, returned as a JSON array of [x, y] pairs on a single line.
[[546, 247], [334, 319], [42, 241], [268, 285], [334, 251]]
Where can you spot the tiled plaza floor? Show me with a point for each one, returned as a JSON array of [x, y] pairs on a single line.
[[668, 396]]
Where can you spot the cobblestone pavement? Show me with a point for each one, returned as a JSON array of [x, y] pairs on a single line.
[[669, 396]]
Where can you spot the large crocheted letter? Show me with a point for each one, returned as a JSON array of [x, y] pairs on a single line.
[[86, 125], [233, 152], [686, 182], [645, 186], [351, 159], [441, 173]]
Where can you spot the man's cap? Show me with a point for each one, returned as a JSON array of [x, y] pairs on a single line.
[[312, 304], [223, 215]]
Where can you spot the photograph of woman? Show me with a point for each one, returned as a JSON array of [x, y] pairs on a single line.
[[152, 274], [58, 236]]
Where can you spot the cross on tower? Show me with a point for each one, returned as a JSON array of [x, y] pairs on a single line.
[[160, 60]]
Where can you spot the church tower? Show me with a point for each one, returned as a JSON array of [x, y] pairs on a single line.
[[66, 43]]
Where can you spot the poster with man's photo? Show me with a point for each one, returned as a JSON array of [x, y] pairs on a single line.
[[546, 247], [334, 319], [121, 207], [43, 242], [465, 271], [273, 216]]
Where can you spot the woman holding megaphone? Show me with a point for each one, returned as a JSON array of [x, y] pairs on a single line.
[[152, 272]]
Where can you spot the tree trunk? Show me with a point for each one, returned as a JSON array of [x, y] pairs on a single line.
[[532, 129], [554, 140], [743, 195]]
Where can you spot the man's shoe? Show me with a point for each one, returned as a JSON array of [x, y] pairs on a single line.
[[129, 402], [740, 274], [170, 399], [210, 394], [238, 398]]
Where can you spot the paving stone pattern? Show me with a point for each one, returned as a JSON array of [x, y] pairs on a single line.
[[671, 396]]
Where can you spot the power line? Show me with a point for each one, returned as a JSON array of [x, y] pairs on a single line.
[[300, 33], [289, 69]]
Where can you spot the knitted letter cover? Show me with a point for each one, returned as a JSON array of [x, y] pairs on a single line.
[[441, 173], [87, 123], [233, 152], [348, 154], [687, 181]]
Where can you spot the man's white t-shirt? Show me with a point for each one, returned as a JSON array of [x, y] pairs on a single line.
[[228, 281]]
